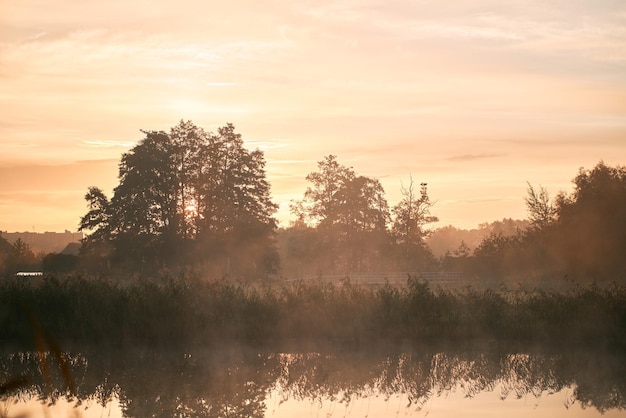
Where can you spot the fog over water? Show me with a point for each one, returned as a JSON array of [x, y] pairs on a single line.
[[361, 383]]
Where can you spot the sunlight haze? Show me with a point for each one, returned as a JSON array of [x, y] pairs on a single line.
[[475, 98]]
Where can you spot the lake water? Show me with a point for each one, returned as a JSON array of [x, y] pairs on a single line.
[[351, 381]]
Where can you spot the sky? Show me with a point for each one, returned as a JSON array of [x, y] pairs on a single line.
[[477, 98]]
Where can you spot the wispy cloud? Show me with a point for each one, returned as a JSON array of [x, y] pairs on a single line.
[[265, 145], [87, 53], [106, 143], [473, 157], [391, 86]]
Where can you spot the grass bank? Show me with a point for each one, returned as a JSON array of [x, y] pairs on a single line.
[[75, 311]]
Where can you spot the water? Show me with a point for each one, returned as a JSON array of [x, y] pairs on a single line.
[[339, 382]]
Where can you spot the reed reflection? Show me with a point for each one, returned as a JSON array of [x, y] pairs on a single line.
[[238, 382]]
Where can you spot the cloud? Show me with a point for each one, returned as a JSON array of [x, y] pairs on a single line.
[[265, 145], [473, 157], [24, 177], [106, 143], [86, 54]]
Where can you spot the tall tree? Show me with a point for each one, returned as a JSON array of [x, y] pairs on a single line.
[[319, 205], [350, 213], [362, 218], [541, 211], [361, 205], [591, 222], [97, 221], [187, 142], [187, 193], [145, 213], [410, 216]]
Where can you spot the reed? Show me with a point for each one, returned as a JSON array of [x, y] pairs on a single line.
[[188, 310]]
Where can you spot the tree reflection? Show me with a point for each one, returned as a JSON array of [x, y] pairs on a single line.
[[237, 382]]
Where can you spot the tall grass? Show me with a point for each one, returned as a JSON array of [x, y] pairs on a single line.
[[185, 311]]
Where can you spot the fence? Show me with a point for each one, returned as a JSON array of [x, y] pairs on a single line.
[[443, 277]]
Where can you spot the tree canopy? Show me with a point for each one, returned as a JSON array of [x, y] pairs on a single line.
[[353, 229], [188, 194], [580, 235]]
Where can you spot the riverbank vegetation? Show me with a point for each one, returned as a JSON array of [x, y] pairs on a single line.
[[186, 311], [191, 200]]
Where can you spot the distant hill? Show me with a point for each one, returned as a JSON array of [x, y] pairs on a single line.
[[46, 242], [449, 238]]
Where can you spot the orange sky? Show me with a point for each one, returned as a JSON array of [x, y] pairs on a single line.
[[474, 97]]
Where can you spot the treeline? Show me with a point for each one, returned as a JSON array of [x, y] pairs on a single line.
[[581, 235], [184, 312], [188, 199], [578, 236]]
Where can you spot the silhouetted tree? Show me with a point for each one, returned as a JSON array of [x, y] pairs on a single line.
[[362, 218], [188, 195], [541, 211], [591, 222], [410, 216], [349, 211], [320, 201], [581, 235], [497, 255], [96, 245], [20, 257]]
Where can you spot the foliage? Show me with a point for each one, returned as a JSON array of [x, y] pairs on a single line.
[[17, 257], [541, 212], [319, 205], [186, 196], [450, 238], [411, 214], [350, 216], [187, 310], [580, 235], [591, 226]]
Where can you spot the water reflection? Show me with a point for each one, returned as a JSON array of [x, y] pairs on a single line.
[[239, 381]]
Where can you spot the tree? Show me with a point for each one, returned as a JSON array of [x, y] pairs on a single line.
[[97, 219], [187, 144], [21, 257], [410, 215], [187, 194], [234, 206], [349, 211], [320, 204], [360, 205], [362, 215], [541, 212], [591, 222], [581, 235]]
